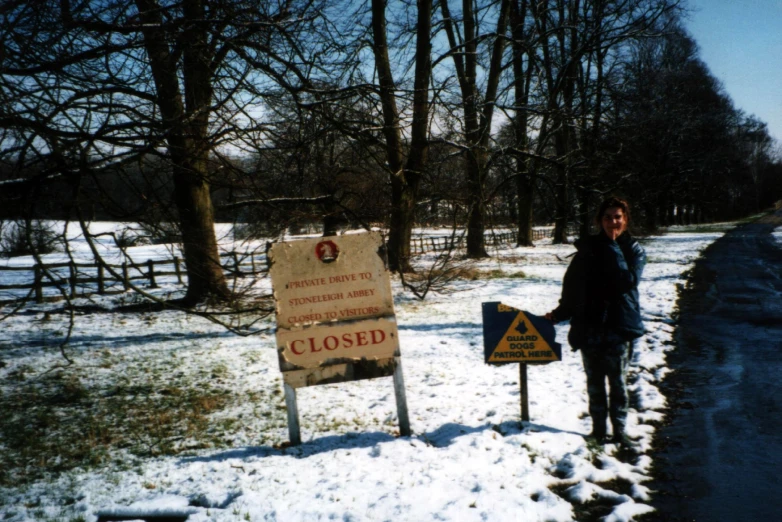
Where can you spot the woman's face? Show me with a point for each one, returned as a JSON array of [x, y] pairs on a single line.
[[614, 222]]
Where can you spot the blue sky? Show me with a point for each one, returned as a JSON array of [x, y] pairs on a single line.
[[741, 41]]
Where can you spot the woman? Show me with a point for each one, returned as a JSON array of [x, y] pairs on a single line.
[[600, 298]]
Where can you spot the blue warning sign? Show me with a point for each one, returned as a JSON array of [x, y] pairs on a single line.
[[512, 335]]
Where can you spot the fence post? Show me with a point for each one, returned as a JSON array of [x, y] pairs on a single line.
[[252, 261], [72, 278], [177, 270], [151, 274], [101, 283], [125, 280], [38, 283]]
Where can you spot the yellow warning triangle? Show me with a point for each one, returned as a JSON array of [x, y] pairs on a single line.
[[522, 343]]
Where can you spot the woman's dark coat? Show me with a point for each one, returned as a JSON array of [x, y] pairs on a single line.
[[600, 291]]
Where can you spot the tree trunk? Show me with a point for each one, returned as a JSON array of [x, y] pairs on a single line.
[[522, 78], [663, 206], [403, 199], [526, 189], [560, 114], [475, 158], [186, 125], [652, 219], [196, 218], [584, 215], [476, 247], [565, 143], [330, 219], [561, 205], [591, 139], [405, 180], [478, 114]]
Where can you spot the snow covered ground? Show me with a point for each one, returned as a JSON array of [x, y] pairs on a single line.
[[468, 459]]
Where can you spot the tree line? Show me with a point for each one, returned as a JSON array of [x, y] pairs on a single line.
[[399, 113]]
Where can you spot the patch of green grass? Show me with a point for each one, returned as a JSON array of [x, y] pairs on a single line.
[[57, 423], [220, 371], [253, 357], [19, 373], [531, 452], [594, 446], [502, 274]]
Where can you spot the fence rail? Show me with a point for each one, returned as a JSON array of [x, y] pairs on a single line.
[[86, 279], [422, 245], [89, 278]]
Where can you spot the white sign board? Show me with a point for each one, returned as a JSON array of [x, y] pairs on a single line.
[[334, 302], [335, 317]]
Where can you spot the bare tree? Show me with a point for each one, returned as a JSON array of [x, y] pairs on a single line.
[[522, 81], [185, 122], [694, 154], [94, 87], [405, 174], [577, 44], [478, 109]]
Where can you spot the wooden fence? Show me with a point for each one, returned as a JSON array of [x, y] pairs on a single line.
[[422, 245], [85, 279], [89, 278]]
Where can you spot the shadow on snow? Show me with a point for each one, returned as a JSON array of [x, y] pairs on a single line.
[[441, 437]]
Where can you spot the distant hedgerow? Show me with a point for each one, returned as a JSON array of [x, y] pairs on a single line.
[[24, 238]]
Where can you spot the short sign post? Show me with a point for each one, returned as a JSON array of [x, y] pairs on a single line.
[[512, 335], [335, 317]]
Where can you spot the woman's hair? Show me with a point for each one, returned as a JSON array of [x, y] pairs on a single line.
[[613, 202]]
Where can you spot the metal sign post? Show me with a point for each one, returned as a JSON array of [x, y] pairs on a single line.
[[523, 395], [511, 335], [294, 431]]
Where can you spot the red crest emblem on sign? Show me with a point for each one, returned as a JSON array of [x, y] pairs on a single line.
[[327, 251]]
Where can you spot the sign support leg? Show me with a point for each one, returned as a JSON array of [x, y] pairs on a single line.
[[524, 395], [294, 433], [401, 399]]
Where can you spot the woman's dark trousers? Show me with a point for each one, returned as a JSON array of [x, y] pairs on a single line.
[[601, 362]]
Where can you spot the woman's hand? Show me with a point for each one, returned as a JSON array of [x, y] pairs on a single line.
[[550, 317]]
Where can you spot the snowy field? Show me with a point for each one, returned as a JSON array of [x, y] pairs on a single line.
[[468, 459]]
